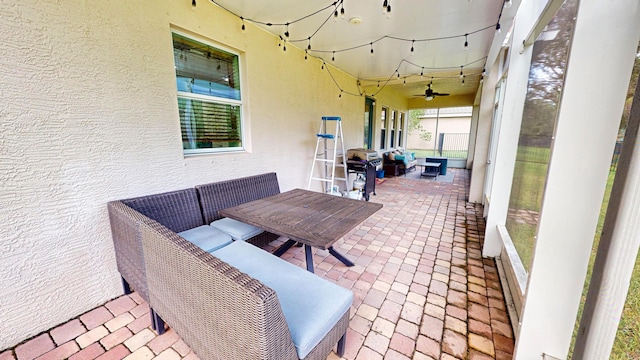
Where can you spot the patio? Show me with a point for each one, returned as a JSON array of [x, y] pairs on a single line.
[[421, 289]]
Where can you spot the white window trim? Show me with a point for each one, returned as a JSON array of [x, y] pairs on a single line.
[[241, 103]]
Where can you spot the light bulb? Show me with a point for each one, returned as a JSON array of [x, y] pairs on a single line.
[[507, 4], [498, 29], [371, 48]]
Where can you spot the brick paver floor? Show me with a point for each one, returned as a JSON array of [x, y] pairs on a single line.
[[421, 289]]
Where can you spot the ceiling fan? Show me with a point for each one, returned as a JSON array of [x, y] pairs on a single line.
[[430, 94]]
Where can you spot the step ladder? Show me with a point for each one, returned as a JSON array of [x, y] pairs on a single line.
[[329, 153]]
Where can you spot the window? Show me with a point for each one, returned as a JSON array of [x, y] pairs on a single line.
[[383, 128], [209, 98], [400, 127], [535, 145], [368, 123], [393, 129]]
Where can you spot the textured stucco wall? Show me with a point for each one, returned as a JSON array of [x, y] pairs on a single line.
[[89, 114]]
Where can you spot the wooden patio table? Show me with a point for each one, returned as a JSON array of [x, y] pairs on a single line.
[[311, 218]]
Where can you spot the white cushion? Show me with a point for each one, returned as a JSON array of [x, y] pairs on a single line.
[[238, 230], [207, 238]]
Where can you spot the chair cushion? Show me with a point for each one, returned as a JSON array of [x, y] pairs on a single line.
[[207, 238], [311, 305], [238, 230]]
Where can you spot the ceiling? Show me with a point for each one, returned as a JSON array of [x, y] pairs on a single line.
[[434, 28]]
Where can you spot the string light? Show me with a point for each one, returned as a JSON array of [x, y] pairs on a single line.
[[335, 14], [466, 42], [305, 54], [333, 57], [339, 5], [340, 96], [193, 3], [404, 83], [507, 4], [463, 80]]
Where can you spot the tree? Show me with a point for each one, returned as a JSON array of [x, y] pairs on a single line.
[[415, 125]]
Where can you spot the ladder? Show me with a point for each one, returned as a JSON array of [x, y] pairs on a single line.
[[329, 148]]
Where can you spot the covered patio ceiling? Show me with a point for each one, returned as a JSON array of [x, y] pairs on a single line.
[[436, 30]]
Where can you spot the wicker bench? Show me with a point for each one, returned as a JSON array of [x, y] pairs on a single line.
[[225, 304]]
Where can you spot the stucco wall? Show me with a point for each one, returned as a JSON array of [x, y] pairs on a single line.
[[90, 115]]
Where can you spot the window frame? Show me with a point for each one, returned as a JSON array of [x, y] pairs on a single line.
[[384, 115], [241, 103]]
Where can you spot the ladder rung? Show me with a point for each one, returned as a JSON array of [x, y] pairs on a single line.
[[325, 136], [331, 118], [326, 160], [329, 179]]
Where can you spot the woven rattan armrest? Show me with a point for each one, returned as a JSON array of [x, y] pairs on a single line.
[[127, 242]]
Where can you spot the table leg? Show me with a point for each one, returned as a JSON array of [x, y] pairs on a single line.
[[340, 257], [284, 247], [309, 257]]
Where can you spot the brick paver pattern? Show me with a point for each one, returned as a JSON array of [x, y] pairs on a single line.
[[421, 289]]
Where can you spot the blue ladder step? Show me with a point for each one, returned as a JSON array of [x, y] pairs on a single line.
[[325, 136], [336, 118]]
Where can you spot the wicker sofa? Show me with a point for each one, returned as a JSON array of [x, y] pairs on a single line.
[[236, 301], [398, 162]]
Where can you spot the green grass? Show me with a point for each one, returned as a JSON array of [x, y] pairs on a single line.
[[627, 342], [529, 180], [422, 153]]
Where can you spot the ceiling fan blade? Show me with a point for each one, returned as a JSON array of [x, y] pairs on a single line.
[[440, 94]]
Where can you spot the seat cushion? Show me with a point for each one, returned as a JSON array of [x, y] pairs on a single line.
[[238, 230], [311, 305], [207, 238]]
